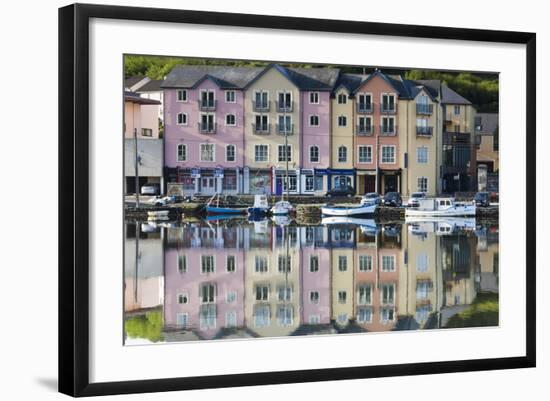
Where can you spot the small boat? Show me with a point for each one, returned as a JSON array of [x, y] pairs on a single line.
[[441, 207], [260, 207], [441, 225], [154, 215], [224, 208], [364, 209], [367, 226], [217, 217], [282, 208], [281, 219]]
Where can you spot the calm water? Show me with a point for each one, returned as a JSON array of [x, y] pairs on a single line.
[[224, 279]]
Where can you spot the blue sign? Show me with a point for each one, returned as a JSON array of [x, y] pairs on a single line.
[[218, 172], [195, 172]]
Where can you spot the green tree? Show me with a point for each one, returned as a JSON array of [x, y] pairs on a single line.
[[148, 326]]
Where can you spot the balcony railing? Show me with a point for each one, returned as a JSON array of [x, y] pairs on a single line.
[[261, 129], [424, 131], [388, 131], [388, 109], [424, 109], [285, 129], [207, 105], [284, 107], [365, 130], [365, 107], [260, 107], [207, 128]]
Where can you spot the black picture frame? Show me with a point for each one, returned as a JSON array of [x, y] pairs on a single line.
[[74, 198]]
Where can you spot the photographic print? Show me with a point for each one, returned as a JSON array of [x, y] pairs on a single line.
[[272, 199]]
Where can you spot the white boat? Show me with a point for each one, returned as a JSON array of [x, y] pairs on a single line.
[[153, 215], [281, 219], [282, 208], [367, 208], [444, 207], [367, 226]]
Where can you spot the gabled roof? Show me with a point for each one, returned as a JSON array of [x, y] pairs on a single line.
[[313, 78], [151, 86], [188, 76], [131, 81], [134, 97], [433, 86], [416, 88], [349, 81], [449, 96], [395, 83]]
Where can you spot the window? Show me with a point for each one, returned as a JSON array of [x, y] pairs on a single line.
[[230, 97], [262, 123], [364, 315], [342, 297], [422, 262], [207, 152], [365, 263], [364, 125], [261, 100], [388, 102], [314, 297], [342, 121], [342, 154], [388, 263], [292, 182], [262, 293], [207, 98], [388, 154], [284, 264], [422, 184], [285, 124], [146, 132], [260, 153], [284, 156], [423, 288], [285, 101], [342, 263], [318, 183], [230, 263], [314, 319], [231, 319], [230, 153], [182, 152], [207, 264], [342, 318], [208, 293], [364, 295], [260, 265], [313, 121], [262, 315], [386, 314], [284, 293], [230, 120], [313, 263], [310, 183], [182, 264], [182, 95], [182, 119], [365, 154], [388, 294], [422, 154], [183, 298], [231, 297], [388, 126], [314, 97], [207, 317], [285, 315], [342, 98], [457, 110], [181, 320], [314, 154], [364, 102]]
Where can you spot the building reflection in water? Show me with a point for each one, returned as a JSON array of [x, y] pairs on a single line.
[[239, 279]]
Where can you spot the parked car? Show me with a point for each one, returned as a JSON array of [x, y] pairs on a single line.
[[413, 199], [482, 199], [341, 191], [371, 197], [392, 199], [150, 189]]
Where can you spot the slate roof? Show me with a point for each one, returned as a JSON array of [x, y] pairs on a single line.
[[312, 78], [449, 96], [151, 86], [489, 123], [350, 81], [131, 81], [135, 98], [188, 76]]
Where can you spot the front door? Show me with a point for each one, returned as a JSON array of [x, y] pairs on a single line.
[[390, 183], [370, 184], [208, 185]]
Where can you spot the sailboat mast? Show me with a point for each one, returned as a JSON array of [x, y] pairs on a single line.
[[286, 142]]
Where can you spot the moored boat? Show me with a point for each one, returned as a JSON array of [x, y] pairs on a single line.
[[223, 208], [364, 209], [443, 207], [260, 207], [282, 208]]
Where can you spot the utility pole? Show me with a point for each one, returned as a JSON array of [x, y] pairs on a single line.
[[136, 163], [287, 153]]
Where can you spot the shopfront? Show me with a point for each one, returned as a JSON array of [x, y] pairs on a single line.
[[338, 178]]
